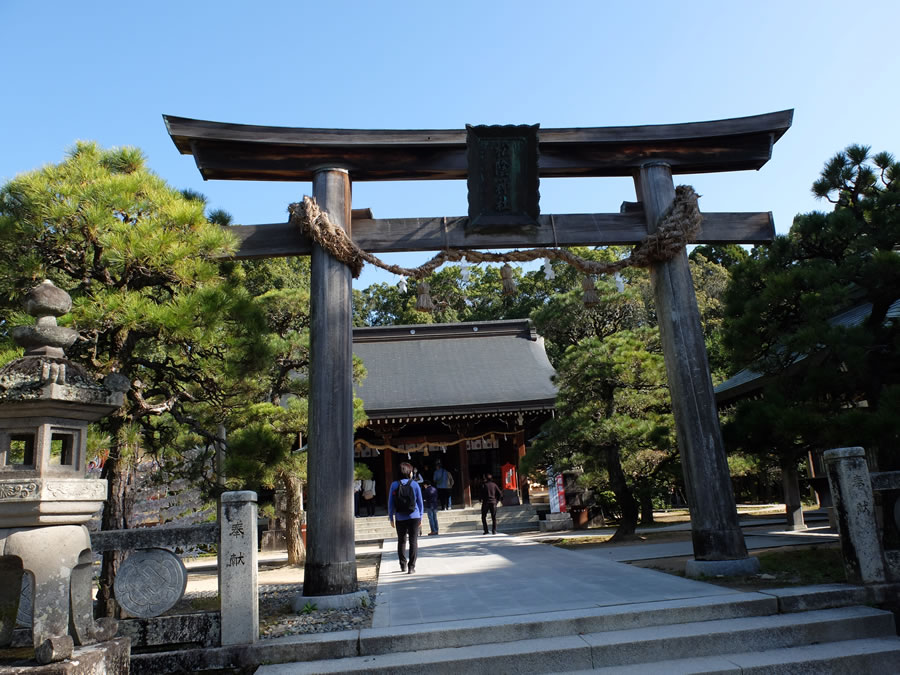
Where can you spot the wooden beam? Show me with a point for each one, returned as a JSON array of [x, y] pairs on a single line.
[[387, 235], [251, 152]]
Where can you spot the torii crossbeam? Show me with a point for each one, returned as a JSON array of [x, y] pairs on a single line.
[[651, 155]]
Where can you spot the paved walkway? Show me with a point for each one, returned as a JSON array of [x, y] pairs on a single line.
[[755, 538], [476, 576], [470, 568], [468, 576]]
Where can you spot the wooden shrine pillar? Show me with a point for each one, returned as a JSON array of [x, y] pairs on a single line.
[[388, 469], [520, 443], [464, 478], [714, 523], [331, 555], [521, 478]]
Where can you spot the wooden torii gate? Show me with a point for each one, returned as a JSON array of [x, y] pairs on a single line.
[[333, 158]]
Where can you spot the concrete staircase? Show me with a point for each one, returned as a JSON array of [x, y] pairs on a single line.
[[739, 633], [509, 519]]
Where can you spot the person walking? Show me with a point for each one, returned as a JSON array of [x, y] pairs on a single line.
[[442, 482], [430, 499], [368, 494], [406, 508], [490, 495]]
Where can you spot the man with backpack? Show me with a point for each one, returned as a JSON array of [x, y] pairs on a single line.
[[406, 507]]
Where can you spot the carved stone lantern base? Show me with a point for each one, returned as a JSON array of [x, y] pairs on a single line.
[[49, 501]]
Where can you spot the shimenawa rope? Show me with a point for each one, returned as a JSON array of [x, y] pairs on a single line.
[[677, 228]]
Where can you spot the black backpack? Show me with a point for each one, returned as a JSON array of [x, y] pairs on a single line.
[[405, 497]]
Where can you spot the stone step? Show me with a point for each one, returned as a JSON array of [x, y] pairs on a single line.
[[848, 657], [650, 646], [379, 524], [509, 519], [473, 632]]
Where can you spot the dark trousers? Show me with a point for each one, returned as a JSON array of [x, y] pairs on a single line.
[[408, 528], [370, 507], [489, 507], [444, 497]]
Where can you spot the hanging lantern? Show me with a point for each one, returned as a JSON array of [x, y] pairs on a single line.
[[509, 285], [401, 285], [590, 298], [423, 301], [549, 274]]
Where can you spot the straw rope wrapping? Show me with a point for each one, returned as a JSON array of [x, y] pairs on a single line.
[[677, 228]]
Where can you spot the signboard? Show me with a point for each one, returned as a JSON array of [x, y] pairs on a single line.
[[561, 493], [556, 491], [502, 163]]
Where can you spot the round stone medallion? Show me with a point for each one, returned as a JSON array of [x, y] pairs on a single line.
[[150, 582]]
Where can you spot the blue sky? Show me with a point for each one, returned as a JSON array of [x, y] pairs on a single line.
[[108, 71]]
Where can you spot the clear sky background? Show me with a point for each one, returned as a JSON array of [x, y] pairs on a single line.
[[108, 70]]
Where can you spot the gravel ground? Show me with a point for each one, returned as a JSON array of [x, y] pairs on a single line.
[[276, 617]]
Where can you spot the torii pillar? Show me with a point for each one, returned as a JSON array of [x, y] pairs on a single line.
[[718, 541], [330, 567]]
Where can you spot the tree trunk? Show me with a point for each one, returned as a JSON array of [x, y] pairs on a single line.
[[116, 513], [295, 549], [646, 507], [625, 498]]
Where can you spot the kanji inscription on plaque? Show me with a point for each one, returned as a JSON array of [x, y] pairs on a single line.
[[503, 177]]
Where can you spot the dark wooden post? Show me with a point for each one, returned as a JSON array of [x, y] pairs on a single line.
[[464, 477], [388, 470], [331, 556], [520, 477], [714, 523]]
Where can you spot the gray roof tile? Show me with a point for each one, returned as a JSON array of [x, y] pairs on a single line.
[[452, 368]]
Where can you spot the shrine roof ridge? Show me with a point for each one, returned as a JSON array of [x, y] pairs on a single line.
[[466, 329], [255, 152]]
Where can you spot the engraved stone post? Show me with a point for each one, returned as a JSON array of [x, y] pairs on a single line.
[[793, 505], [854, 505], [238, 593]]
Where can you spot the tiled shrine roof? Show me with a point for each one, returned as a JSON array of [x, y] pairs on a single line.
[[453, 369]]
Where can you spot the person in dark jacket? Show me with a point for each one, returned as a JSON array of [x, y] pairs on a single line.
[[430, 497], [407, 524], [490, 495]]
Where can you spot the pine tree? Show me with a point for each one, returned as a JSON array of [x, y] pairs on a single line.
[[267, 415], [812, 313], [140, 262], [613, 418]]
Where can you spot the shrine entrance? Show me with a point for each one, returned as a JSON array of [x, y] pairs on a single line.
[[503, 166]]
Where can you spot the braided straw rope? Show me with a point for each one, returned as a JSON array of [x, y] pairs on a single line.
[[678, 227]]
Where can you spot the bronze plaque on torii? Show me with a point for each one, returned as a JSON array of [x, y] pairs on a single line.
[[503, 178]]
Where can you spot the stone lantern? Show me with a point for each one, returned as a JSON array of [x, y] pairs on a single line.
[[46, 404]]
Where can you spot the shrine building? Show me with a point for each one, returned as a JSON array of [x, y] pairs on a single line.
[[469, 395]]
